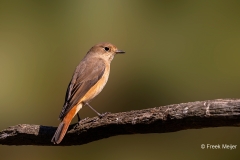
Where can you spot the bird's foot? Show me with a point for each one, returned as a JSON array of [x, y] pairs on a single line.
[[80, 121], [103, 114]]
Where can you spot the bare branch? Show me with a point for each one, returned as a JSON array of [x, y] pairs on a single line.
[[171, 118]]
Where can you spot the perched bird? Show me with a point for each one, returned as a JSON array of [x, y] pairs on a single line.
[[87, 82]]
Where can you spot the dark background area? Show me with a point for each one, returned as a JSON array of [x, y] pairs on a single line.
[[177, 51]]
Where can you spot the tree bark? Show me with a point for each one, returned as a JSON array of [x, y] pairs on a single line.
[[170, 118]]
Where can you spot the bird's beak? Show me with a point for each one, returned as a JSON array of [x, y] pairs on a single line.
[[119, 51]]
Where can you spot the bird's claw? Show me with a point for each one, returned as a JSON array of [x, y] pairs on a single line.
[[103, 114]]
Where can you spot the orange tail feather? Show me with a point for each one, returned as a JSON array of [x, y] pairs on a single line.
[[63, 126]]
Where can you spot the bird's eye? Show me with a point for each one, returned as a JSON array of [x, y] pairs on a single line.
[[106, 49]]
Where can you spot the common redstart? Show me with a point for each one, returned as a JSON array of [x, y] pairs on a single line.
[[87, 82]]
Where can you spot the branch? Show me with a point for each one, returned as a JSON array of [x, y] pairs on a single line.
[[170, 118]]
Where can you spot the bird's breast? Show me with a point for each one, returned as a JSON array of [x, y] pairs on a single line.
[[97, 88]]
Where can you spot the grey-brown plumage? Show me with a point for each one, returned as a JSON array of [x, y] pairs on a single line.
[[88, 80], [87, 74]]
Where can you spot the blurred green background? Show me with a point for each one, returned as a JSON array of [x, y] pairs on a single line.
[[177, 51]]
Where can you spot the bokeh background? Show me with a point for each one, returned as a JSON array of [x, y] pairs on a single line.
[[177, 51]]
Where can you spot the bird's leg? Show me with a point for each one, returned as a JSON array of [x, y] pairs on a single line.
[[100, 115], [78, 117], [93, 109]]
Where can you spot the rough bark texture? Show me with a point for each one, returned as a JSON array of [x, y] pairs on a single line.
[[170, 118]]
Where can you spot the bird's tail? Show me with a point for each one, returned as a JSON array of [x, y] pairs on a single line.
[[63, 126]]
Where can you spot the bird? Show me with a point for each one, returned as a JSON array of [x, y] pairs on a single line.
[[88, 80]]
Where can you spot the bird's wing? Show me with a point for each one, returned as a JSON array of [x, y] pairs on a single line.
[[86, 75]]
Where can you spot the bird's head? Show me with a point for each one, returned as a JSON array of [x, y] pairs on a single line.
[[106, 51]]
